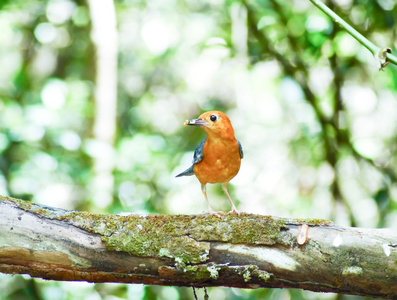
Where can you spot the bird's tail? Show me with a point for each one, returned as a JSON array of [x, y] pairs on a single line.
[[187, 172]]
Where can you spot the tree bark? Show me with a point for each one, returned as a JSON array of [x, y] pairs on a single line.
[[244, 251]]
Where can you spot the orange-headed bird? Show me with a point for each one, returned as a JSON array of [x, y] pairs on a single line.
[[218, 157]]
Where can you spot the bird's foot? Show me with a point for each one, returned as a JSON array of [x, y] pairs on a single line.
[[215, 213], [234, 211]]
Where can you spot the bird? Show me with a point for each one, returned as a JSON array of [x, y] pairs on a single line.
[[217, 158]]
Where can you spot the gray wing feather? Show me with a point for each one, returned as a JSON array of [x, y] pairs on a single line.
[[197, 157], [198, 153], [240, 148]]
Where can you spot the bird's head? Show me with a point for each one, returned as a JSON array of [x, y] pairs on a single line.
[[215, 123]]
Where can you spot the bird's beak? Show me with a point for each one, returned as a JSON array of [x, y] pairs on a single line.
[[195, 122]]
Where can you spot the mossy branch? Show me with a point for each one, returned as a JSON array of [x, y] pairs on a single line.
[[245, 251], [382, 56]]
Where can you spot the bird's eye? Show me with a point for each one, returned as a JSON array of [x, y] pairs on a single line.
[[213, 118]]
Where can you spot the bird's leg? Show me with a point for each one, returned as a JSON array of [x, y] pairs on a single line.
[[234, 209], [210, 211]]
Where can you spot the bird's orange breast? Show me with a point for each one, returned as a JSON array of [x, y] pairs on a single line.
[[221, 161]]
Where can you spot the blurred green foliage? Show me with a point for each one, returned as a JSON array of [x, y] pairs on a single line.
[[315, 117]]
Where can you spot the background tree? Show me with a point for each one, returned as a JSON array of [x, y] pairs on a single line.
[[315, 117]]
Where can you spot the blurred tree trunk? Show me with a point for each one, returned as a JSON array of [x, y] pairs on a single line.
[[246, 251], [104, 37]]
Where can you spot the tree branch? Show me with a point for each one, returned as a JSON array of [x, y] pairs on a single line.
[[246, 251], [382, 56]]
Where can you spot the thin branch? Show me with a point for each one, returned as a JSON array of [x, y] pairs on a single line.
[[375, 50]]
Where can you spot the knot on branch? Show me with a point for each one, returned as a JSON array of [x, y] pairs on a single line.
[[381, 58]]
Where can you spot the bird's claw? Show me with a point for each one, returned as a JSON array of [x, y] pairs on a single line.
[[217, 214], [234, 211], [220, 213]]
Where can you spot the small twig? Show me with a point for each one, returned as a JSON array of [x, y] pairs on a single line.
[[375, 50], [206, 297]]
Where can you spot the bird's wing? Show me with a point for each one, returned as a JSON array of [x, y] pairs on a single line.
[[240, 148], [197, 157], [198, 153]]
